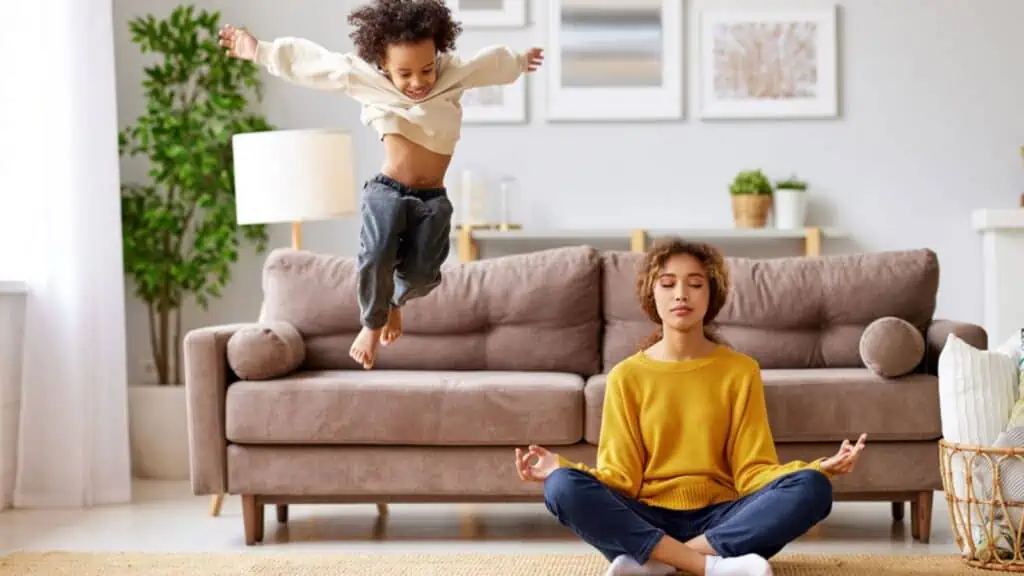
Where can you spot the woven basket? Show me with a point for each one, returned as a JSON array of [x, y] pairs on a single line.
[[987, 523], [751, 210]]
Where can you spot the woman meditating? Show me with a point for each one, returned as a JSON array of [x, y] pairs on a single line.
[[687, 475]]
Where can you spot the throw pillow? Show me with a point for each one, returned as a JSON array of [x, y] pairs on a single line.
[[1014, 348], [266, 350], [977, 389], [891, 347]]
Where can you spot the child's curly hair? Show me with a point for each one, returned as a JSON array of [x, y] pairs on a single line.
[[386, 22], [714, 267]]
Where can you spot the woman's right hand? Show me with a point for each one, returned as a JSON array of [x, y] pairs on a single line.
[[240, 43], [546, 463]]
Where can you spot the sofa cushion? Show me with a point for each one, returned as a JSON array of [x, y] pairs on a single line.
[[891, 347], [539, 311], [828, 405], [407, 407], [265, 350], [789, 312]]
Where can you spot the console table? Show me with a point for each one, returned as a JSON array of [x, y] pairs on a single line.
[[1002, 249], [468, 249]]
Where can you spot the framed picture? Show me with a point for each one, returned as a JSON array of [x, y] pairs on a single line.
[[489, 13], [495, 104], [768, 63], [614, 59]]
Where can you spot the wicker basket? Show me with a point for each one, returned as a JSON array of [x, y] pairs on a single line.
[[987, 524], [751, 210]]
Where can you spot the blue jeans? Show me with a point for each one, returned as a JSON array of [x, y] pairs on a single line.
[[761, 523]]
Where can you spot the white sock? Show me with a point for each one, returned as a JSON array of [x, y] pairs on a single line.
[[625, 566], [746, 565]]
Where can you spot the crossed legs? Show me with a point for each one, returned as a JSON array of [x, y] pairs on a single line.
[[738, 536]]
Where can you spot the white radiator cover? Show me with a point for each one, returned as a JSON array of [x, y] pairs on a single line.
[[12, 332]]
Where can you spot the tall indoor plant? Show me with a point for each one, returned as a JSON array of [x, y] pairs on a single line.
[[180, 233]]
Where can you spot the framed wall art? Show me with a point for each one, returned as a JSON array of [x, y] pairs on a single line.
[[768, 63], [489, 13], [614, 60], [495, 104]]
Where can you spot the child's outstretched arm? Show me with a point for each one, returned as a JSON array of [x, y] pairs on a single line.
[[496, 65], [296, 60]]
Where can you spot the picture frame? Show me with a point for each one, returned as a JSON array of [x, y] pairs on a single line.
[[501, 104], [489, 13], [802, 74], [615, 60]]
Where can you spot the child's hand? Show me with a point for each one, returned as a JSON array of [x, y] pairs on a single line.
[[240, 44], [534, 58]]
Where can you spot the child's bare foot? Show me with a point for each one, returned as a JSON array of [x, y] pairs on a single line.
[[393, 329], [364, 349]]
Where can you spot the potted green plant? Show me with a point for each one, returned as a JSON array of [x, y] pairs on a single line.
[[180, 236], [790, 207], [751, 193]]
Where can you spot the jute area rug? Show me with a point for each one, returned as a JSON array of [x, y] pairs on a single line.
[[395, 564]]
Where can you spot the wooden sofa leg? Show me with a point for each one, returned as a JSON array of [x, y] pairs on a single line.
[[382, 509], [216, 501], [923, 516], [897, 511], [252, 519], [282, 513]]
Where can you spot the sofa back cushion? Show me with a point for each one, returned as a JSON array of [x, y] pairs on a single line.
[[789, 312], [539, 311]]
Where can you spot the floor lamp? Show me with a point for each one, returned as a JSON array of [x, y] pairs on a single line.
[[292, 176]]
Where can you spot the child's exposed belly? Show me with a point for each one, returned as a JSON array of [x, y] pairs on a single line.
[[412, 164]]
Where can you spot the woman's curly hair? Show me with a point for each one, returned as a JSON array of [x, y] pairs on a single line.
[[714, 266], [386, 22]]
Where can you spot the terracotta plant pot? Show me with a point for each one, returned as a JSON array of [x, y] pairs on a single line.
[[751, 210]]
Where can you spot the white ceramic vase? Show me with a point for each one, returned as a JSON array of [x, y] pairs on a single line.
[[790, 209], [158, 427]]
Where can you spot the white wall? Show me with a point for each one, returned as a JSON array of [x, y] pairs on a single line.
[[932, 101]]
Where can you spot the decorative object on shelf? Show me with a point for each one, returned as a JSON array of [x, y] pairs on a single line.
[[751, 193], [508, 186], [615, 60], [489, 13], [765, 63], [473, 199], [790, 203], [504, 104]]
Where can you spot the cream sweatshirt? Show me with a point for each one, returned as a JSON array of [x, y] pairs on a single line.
[[434, 122]]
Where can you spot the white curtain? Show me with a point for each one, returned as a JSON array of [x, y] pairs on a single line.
[[73, 434]]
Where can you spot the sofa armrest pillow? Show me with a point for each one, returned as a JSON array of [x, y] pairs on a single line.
[[891, 347], [266, 350]]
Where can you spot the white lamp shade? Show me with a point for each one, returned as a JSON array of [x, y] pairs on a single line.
[[293, 176]]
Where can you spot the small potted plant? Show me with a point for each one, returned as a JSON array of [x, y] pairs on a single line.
[[751, 193], [790, 203]]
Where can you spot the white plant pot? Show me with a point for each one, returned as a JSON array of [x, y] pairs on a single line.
[[158, 427], [790, 209]]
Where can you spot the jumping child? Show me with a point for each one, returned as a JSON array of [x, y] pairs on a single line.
[[410, 84]]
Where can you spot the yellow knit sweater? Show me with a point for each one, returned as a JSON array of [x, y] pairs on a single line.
[[684, 435]]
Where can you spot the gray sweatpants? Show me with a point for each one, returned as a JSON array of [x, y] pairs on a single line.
[[403, 243]]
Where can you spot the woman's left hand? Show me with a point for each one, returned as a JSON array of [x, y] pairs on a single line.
[[844, 460]]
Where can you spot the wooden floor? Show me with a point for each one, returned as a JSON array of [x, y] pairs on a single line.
[[166, 518]]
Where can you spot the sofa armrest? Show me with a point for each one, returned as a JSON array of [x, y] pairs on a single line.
[[207, 376], [938, 332]]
